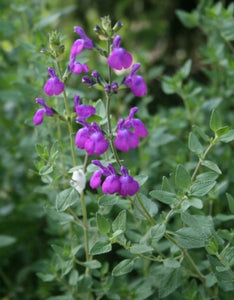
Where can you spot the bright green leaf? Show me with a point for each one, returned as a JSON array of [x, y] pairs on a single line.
[[201, 188], [93, 264], [100, 247], [165, 197], [120, 221], [140, 248], [157, 232], [230, 202], [212, 166], [66, 199], [103, 224], [182, 178], [124, 267], [215, 121], [194, 144]]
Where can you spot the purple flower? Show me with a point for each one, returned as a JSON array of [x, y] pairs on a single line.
[[39, 115], [127, 139], [91, 138], [128, 186], [82, 110], [136, 82], [111, 184], [75, 66], [119, 58], [88, 44], [53, 86], [125, 185]]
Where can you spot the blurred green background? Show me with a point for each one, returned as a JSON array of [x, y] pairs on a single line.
[[152, 32]]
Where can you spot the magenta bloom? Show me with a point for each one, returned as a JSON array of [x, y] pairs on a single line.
[[126, 138], [88, 44], [128, 186], [111, 184], [82, 110], [125, 185], [75, 66], [119, 58], [39, 115], [91, 138], [53, 86], [136, 82]]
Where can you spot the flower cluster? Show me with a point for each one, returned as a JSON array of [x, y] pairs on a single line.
[[127, 139], [125, 185], [90, 136]]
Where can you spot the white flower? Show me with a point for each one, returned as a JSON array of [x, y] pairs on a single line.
[[78, 180]]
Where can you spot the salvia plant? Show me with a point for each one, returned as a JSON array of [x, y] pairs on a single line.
[[115, 233]]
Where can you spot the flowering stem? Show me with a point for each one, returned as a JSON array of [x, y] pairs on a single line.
[[213, 142], [69, 123]]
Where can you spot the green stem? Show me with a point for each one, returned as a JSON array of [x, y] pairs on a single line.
[[213, 142], [151, 220], [85, 221], [68, 119]]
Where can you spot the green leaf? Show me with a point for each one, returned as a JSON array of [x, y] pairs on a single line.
[[150, 206], [66, 199], [140, 248], [194, 144], [157, 232], [189, 20], [201, 133], [124, 267], [93, 264], [108, 200], [45, 170], [185, 70], [224, 278], [222, 131], [171, 263], [6, 240], [212, 166], [227, 138], [73, 277], [168, 86], [103, 224], [60, 217], [182, 178], [201, 188], [230, 202], [46, 277], [120, 221], [42, 151], [190, 238], [100, 247], [164, 197], [215, 121]]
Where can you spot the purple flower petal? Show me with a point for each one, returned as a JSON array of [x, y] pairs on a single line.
[[38, 117], [81, 137], [95, 180], [129, 186], [111, 185], [88, 44], [77, 47], [139, 128], [53, 86], [119, 58]]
